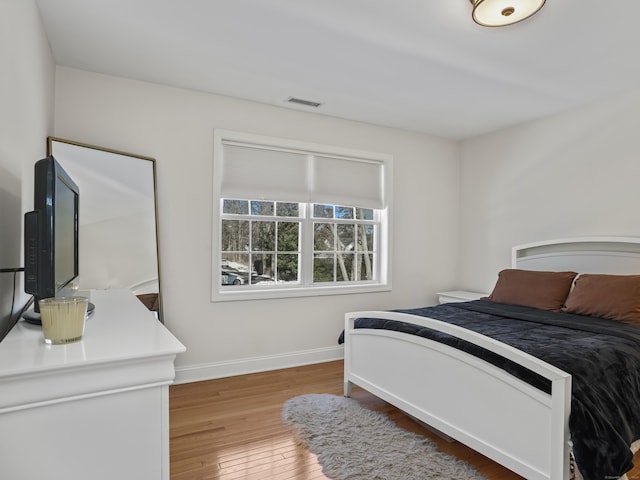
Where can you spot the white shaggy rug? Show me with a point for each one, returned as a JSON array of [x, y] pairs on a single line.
[[354, 443]]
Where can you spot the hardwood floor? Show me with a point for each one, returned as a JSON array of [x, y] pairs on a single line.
[[231, 428]]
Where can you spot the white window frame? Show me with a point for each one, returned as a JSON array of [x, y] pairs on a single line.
[[383, 273]]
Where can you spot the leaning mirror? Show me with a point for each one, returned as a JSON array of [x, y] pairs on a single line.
[[118, 245]]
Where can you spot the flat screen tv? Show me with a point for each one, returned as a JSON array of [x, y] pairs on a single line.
[[51, 234]]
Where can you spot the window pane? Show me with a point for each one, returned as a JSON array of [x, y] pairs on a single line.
[[235, 235], [345, 267], [364, 266], [322, 211], [230, 278], [288, 267], [287, 209], [263, 267], [365, 238], [323, 267], [238, 207], [364, 214], [234, 269], [236, 262], [261, 208], [288, 236], [346, 237], [263, 236], [344, 212], [323, 236]]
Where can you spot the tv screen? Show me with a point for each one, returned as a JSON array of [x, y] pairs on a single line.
[[51, 233], [65, 234]]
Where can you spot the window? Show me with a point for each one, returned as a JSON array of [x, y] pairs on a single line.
[[296, 219], [260, 243], [344, 241]]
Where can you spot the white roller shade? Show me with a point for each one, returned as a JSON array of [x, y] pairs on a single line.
[[346, 181], [263, 174], [268, 173]]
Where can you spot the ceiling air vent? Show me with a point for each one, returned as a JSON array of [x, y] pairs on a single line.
[[301, 101]]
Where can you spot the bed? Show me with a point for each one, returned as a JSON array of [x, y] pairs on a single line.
[[503, 397]]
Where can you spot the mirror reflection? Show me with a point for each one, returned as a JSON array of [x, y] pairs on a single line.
[[118, 245]]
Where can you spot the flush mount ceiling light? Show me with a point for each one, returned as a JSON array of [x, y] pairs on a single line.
[[497, 13]]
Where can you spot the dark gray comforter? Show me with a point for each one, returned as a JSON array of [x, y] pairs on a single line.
[[602, 356]]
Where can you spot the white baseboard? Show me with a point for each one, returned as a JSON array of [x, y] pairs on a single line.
[[210, 371]]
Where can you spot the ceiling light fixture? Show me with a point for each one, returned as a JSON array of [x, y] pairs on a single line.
[[497, 13]]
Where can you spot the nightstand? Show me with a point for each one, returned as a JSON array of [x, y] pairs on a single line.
[[459, 296]]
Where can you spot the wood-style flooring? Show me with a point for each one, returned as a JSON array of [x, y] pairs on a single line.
[[231, 428]]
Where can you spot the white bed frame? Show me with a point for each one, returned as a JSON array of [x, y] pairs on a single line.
[[480, 405]]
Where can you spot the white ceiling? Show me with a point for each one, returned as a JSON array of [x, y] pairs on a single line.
[[419, 65]]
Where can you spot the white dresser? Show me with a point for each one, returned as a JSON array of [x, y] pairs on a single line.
[[96, 409]]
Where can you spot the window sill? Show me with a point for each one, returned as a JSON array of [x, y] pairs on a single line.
[[267, 294]]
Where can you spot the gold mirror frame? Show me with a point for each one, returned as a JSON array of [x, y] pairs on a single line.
[[107, 177]]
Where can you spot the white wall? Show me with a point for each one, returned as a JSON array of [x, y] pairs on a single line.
[[176, 127], [574, 174], [27, 76]]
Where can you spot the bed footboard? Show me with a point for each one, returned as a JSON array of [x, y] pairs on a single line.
[[474, 402]]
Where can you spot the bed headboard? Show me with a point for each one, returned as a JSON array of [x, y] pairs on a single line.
[[613, 255]]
